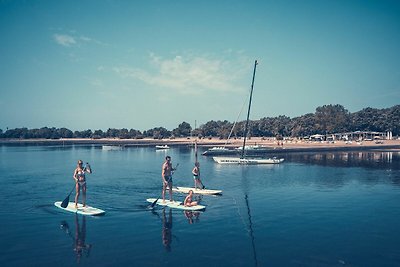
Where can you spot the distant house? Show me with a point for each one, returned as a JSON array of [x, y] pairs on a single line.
[[362, 136], [317, 137]]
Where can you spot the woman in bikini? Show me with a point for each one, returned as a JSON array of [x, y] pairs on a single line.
[[80, 180], [188, 200]]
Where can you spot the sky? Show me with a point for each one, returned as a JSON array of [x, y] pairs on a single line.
[[144, 64]]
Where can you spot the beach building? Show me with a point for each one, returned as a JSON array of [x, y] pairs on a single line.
[[353, 136]]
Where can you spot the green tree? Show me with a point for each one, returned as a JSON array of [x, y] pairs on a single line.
[[157, 133], [184, 129], [123, 133], [211, 128], [65, 133], [112, 133], [331, 119], [134, 133], [303, 126], [97, 134]]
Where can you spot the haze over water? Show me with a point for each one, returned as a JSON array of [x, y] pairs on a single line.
[[329, 209]]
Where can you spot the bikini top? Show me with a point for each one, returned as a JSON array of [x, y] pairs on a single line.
[[81, 174]]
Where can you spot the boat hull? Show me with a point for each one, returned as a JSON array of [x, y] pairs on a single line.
[[247, 161], [236, 151]]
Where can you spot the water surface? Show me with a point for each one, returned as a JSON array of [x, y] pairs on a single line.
[[326, 209]]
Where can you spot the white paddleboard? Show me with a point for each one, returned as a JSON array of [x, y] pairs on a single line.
[[196, 191], [175, 204], [88, 210]]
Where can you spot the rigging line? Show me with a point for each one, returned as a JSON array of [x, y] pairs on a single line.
[[234, 124]]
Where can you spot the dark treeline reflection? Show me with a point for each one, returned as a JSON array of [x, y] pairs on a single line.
[[344, 166], [375, 159]]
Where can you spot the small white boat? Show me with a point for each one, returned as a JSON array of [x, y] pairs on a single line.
[[162, 147], [247, 161], [110, 147]]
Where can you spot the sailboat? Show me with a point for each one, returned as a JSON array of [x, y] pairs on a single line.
[[242, 159]]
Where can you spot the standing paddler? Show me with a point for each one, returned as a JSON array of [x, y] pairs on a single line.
[[166, 174], [196, 170], [196, 177], [80, 180]]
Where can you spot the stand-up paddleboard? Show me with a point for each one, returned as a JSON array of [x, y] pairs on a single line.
[[175, 204], [196, 191], [88, 210]]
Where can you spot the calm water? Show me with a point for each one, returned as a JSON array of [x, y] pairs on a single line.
[[332, 209]]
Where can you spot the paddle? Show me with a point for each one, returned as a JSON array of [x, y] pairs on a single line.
[[65, 202], [152, 204]]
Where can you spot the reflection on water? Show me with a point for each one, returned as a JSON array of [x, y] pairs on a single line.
[[192, 216], [166, 219], [368, 159], [246, 191], [79, 239], [251, 232], [167, 230]]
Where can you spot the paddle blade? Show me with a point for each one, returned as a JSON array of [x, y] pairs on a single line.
[[154, 203], [65, 202]]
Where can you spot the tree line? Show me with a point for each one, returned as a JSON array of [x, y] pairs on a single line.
[[327, 119]]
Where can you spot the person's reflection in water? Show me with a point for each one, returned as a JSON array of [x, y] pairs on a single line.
[[79, 239], [192, 216], [167, 230], [80, 245]]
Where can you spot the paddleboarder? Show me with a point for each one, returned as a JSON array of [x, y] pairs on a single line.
[[80, 180], [188, 202], [166, 175], [196, 176]]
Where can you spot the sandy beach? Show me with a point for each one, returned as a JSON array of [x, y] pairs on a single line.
[[282, 147]]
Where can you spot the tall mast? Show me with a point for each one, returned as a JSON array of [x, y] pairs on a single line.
[[248, 111]]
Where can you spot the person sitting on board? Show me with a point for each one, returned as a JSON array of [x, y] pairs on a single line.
[[166, 175], [80, 180], [196, 176], [188, 202]]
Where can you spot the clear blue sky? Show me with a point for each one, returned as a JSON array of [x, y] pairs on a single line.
[[144, 64]]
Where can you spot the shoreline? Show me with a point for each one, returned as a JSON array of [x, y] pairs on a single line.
[[284, 147]]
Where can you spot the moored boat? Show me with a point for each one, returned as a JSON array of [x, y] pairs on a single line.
[[162, 147], [248, 161], [111, 147], [246, 150], [218, 150]]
